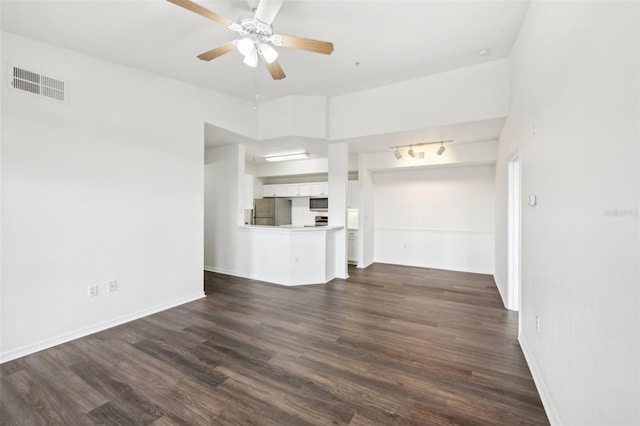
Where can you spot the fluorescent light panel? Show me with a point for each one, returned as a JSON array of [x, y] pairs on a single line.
[[287, 157]]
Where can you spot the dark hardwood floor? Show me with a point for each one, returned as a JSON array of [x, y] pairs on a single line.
[[391, 346]]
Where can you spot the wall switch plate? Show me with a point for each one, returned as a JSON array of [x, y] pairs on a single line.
[[112, 286], [92, 290], [538, 323], [533, 200]]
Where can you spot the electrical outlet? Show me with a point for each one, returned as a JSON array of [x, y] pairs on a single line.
[[538, 323], [112, 286], [92, 290]]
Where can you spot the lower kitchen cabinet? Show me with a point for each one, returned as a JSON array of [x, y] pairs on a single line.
[[352, 246]]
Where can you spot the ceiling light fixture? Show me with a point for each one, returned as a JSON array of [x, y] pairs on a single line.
[[256, 43], [268, 53], [251, 59], [414, 154], [287, 157], [397, 153], [246, 46]]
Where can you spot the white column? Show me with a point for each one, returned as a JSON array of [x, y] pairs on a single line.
[[366, 214], [338, 181]]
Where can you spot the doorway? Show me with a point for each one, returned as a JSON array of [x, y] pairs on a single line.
[[514, 246]]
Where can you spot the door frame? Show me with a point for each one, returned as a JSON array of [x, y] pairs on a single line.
[[514, 234]]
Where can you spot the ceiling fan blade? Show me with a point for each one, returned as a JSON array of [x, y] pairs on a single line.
[[316, 46], [218, 51], [196, 8], [267, 10], [276, 71]]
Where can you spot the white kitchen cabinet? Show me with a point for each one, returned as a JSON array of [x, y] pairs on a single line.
[[292, 190], [298, 189], [320, 188], [270, 190], [352, 246], [282, 190], [304, 189]]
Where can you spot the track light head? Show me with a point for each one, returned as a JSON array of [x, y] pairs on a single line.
[[397, 154], [411, 152], [441, 149]]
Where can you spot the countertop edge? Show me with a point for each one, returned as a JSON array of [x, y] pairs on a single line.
[[290, 228]]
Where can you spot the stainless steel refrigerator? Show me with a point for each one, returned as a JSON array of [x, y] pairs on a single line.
[[272, 211]]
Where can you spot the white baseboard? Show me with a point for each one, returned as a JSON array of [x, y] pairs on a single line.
[[504, 300], [366, 265], [549, 408], [85, 331], [251, 277]]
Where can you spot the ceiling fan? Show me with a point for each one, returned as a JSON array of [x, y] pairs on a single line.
[[257, 36]]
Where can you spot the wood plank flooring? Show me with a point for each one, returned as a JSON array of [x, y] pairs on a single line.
[[392, 345]]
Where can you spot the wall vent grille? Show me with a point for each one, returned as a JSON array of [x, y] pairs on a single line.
[[38, 84]]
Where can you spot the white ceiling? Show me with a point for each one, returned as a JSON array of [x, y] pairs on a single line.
[[392, 40]]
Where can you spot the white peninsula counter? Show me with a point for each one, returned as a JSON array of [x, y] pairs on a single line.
[[290, 255]]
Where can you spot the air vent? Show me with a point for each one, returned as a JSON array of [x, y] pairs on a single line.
[[38, 84]]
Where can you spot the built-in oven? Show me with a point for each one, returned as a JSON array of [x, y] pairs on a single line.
[[318, 204], [322, 220]]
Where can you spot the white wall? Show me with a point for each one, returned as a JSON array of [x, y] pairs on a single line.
[[223, 189], [304, 116], [437, 218], [468, 94], [108, 187], [575, 78]]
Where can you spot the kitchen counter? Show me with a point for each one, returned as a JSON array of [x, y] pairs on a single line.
[[292, 227], [290, 255]]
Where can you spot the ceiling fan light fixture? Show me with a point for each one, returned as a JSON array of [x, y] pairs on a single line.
[[246, 46], [276, 39], [251, 59], [268, 53]]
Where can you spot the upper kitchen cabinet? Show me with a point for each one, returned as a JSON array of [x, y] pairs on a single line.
[[282, 190], [289, 190], [298, 189], [270, 191], [320, 188]]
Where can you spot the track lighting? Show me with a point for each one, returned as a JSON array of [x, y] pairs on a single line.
[[397, 153], [414, 154]]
